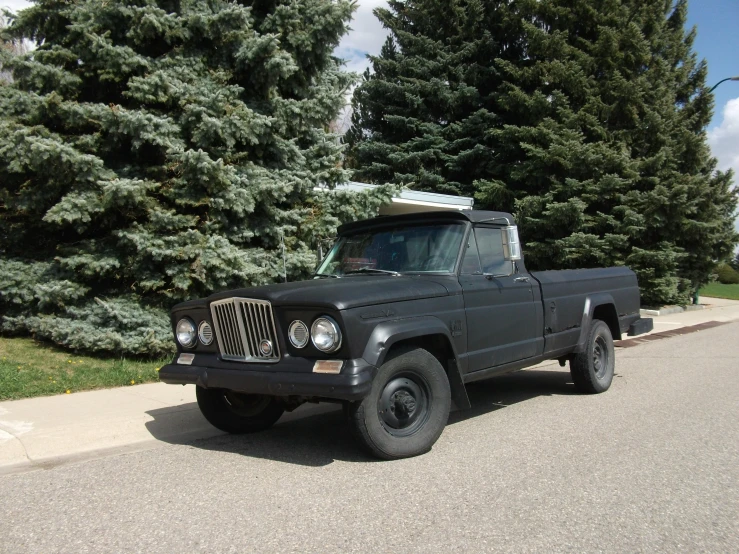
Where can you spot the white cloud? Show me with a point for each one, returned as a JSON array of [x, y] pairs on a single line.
[[366, 37], [724, 139], [14, 5]]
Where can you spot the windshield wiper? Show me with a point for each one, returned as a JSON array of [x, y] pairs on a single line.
[[373, 270], [327, 275]]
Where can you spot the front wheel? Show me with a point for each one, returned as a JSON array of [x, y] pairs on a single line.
[[592, 369], [406, 409], [236, 412]]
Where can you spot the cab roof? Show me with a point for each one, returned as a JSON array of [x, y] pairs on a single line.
[[473, 216]]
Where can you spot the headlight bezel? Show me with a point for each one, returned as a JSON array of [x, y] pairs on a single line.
[[201, 325], [194, 338], [336, 331], [292, 326]]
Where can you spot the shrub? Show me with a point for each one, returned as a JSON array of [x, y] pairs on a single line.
[[727, 275]]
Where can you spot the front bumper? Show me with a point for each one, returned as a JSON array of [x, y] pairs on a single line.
[[286, 378]]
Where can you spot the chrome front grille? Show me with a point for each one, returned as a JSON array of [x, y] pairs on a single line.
[[242, 325]]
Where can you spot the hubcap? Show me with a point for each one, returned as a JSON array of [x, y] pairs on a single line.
[[404, 404], [246, 405], [600, 357]]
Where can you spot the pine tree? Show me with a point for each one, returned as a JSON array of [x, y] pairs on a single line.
[[621, 168], [594, 135], [158, 150], [421, 117]]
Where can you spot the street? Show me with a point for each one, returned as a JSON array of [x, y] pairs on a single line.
[[650, 465]]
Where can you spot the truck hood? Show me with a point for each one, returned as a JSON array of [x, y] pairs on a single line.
[[344, 293]]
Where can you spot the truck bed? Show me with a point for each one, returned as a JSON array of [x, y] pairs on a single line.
[[564, 296]]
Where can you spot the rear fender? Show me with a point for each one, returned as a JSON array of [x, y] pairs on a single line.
[[592, 301]]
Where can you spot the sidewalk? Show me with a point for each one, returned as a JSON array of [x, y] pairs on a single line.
[[40, 433], [716, 309]]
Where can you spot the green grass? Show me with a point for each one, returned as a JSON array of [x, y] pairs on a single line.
[[29, 368], [719, 290]]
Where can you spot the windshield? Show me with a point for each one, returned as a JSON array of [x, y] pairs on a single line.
[[428, 248]]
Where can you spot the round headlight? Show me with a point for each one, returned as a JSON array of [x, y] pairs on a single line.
[[205, 333], [298, 334], [186, 332], [325, 334]]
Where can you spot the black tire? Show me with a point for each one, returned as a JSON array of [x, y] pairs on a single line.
[[592, 369], [407, 408], [236, 412]]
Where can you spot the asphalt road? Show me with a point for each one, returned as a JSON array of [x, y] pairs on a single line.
[[651, 465]]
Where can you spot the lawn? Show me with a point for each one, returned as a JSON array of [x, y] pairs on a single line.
[[719, 290], [29, 368]]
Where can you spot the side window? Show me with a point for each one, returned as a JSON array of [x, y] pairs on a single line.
[[471, 260], [490, 245]]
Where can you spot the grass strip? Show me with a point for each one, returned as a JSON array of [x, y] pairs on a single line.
[[29, 368], [719, 290]]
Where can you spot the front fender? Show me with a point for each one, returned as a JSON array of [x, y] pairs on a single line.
[[388, 333]]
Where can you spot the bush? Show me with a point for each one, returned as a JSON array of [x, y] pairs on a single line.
[[727, 275]]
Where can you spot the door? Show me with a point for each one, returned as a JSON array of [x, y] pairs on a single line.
[[499, 304]]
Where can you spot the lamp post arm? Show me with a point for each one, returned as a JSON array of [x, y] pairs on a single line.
[[736, 78]]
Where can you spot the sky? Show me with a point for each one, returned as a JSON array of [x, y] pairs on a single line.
[[717, 42]]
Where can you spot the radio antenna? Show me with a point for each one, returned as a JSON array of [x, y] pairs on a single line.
[[284, 263]]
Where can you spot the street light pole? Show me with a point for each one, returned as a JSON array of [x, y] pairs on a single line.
[[735, 78], [696, 299]]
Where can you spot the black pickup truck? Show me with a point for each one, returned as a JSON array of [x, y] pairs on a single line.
[[402, 312]]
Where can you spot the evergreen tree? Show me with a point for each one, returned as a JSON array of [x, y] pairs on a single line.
[[615, 168], [421, 117], [153, 151], [594, 136]]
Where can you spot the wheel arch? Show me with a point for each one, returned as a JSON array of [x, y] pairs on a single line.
[[428, 333], [598, 306], [607, 313]]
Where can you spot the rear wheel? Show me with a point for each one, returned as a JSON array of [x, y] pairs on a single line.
[[236, 412], [407, 408], [592, 369]]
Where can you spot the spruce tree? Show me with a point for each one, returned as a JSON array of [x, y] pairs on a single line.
[[421, 116], [153, 151], [594, 135], [616, 168]]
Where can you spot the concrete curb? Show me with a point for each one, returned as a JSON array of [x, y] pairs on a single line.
[[667, 310], [27, 465], [627, 343], [44, 433]]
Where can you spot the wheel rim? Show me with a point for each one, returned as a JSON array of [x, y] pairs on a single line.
[[246, 405], [404, 405], [600, 357]]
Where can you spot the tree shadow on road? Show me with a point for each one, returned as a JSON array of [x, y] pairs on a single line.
[[318, 439]]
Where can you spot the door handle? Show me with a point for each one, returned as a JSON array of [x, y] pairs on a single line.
[[521, 280]]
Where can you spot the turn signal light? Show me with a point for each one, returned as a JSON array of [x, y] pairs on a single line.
[[328, 366]]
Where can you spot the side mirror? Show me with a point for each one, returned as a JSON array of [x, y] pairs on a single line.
[[511, 244]]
